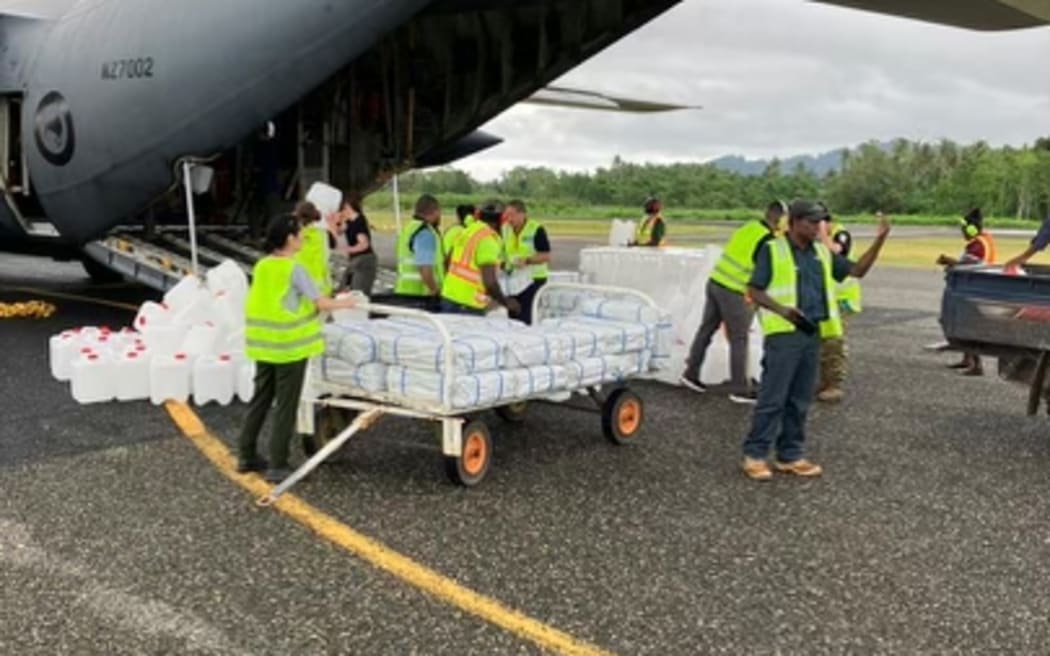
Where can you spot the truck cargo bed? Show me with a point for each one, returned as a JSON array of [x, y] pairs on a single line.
[[983, 308]]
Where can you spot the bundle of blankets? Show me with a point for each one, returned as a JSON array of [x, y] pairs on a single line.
[[583, 340]]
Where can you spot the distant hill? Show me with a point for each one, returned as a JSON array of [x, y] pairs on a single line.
[[817, 164]]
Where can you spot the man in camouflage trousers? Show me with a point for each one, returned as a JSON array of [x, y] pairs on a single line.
[[833, 351]]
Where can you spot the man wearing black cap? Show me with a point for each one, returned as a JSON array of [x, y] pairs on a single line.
[[794, 285]]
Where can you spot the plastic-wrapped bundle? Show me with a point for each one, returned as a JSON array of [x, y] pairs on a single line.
[[566, 345], [540, 380], [620, 310], [530, 348], [589, 372], [353, 343], [461, 323], [371, 377], [561, 302], [608, 337], [468, 390], [426, 352]]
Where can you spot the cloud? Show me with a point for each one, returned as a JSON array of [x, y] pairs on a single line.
[[782, 77]]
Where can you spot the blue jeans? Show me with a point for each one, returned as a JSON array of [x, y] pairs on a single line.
[[449, 307], [789, 370]]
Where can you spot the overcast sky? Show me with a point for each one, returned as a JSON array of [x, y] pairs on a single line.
[[784, 77]]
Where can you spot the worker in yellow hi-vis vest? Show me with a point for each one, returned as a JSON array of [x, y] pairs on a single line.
[[651, 230], [526, 248], [725, 302], [471, 285], [420, 260], [281, 333], [794, 285], [833, 351]]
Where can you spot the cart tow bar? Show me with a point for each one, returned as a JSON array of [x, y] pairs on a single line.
[[362, 422]]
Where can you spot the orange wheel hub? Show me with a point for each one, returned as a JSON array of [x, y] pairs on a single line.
[[475, 454], [629, 417]]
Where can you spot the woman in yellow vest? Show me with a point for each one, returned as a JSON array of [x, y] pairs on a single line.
[[794, 285], [526, 247], [281, 333], [651, 231], [314, 254]]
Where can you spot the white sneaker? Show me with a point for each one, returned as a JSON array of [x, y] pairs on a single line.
[[692, 383], [744, 398]]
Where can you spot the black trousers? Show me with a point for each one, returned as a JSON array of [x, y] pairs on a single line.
[[526, 298], [285, 383]]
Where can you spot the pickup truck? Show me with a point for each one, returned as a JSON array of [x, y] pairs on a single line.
[[1005, 316]]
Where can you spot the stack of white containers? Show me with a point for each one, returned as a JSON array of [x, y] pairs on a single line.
[[191, 344], [675, 278]]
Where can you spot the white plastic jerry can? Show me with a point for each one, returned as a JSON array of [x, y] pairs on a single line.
[[246, 381], [169, 378], [63, 349], [153, 314], [214, 379], [133, 375], [92, 379]]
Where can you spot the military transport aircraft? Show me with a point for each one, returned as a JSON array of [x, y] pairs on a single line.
[[100, 100]]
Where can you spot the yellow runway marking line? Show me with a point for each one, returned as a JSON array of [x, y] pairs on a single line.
[[71, 297], [379, 555]]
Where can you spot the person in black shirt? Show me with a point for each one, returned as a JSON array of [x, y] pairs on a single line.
[[361, 272]]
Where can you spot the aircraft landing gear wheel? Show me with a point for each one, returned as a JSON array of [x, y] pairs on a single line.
[[622, 416], [328, 423], [468, 469], [513, 413]]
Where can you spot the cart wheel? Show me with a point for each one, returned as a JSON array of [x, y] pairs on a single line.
[[328, 423], [513, 413], [622, 416], [471, 467]]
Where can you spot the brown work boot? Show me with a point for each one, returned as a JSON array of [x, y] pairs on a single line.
[[756, 470], [974, 370], [830, 395], [800, 467]]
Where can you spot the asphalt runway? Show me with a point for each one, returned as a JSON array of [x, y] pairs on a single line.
[[927, 534]]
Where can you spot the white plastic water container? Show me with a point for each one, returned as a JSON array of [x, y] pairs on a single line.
[[201, 340], [246, 381], [214, 379], [153, 314], [165, 339], [228, 278], [183, 294], [325, 198], [352, 314], [228, 311], [63, 349], [92, 380], [133, 375], [199, 308], [169, 378], [233, 344]]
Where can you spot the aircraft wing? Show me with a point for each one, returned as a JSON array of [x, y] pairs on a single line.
[[581, 99], [985, 15], [44, 9]]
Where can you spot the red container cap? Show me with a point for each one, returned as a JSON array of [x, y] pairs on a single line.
[[140, 347], [86, 350], [180, 356], [92, 357], [224, 358], [133, 355]]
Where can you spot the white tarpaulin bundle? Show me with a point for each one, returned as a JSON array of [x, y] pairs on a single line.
[[496, 359], [676, 279]]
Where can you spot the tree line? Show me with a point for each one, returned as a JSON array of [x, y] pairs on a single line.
[[904, 177]]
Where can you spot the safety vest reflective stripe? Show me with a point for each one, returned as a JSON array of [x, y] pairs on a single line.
[[989, 247], [273, 333], [783, 288], [734, 268], [464, 284]]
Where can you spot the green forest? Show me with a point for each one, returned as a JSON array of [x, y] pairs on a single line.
[[931, 180]]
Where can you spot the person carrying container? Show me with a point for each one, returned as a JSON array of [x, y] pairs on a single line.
[[472, 283], [464, 216], [793, 283], [282, 332], [420, 262], [726, 303], [979, 249], [651, 231], [833, 352], [526, 247], [321, 217]]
